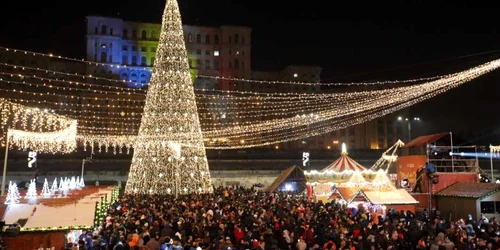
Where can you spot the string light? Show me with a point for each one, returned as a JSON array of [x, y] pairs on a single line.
[[62, 141], [18, 117], [242, 119], [169, 153], [276, 131], [235, 80]]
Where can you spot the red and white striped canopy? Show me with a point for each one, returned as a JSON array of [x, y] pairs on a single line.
[[344, 163]]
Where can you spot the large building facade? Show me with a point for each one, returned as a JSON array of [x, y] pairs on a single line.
[[212, 51]]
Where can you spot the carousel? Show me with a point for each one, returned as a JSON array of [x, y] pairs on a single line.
[[320, 183], [347, 182]]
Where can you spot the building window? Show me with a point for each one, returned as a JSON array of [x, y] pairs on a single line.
[[134, 60], [236, 38], [190, 38], [198, 38], [103, 56], [207, 38], [104, 29], [153, 49], [198, 51], [124, 47], [207, 64], [96, 30], [236, 64], [487, 207], [243, 39], [134, 48], [198, 63], [152, 61], [143, 61], [216, 64], [216, 53], [143, 35], [124, 59], [133, 77], [143, 78], [190, 63], [216, 39], [124, 34], [134, 34], [144, 49], [111, 31], [153, 34], [207, 52]]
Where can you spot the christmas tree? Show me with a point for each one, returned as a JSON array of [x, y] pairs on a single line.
[[13, 194], [65, 186], [45, 188], [72, 183], [78, 182], [169, 153], [31, 194], [54, 187], [81, 183], [61, 184]]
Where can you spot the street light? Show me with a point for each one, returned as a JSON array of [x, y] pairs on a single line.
[[87, 159], [409, 121]]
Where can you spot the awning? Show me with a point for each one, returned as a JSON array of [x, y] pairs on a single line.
[[425, 139]]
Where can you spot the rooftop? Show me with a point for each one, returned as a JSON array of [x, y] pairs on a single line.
[[469, 190]]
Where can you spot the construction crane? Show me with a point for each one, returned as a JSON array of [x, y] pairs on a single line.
[[388, 157]]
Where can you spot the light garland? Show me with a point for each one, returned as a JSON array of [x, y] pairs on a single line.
[[62, 141], [238, 119], [169, 154], [388, 157], [237, 80]]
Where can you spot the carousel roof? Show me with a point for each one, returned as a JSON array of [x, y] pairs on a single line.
[[344, 163]]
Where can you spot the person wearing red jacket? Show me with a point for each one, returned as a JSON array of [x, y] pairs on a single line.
[[238, 234]]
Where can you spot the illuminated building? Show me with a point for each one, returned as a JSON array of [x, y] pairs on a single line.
[[214, 51]]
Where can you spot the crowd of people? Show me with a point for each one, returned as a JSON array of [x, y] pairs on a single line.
[[246, 219]]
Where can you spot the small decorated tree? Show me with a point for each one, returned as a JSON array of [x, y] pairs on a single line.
[[13, 194], [61, 184], [31, 194], [78, 182], [54, 187], [82, 183], [45, 189], [65, 187], [72, 183]]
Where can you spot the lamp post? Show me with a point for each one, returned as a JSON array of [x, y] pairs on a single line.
[[87, 159], [408, 121]]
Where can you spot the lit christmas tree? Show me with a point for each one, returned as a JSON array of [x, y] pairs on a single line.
[[81, 184], [72, 183], [65, 187], [78, 182], [45, 188], [31, 194], [61, 184], [169, 154], [12, 194], [54, 187]]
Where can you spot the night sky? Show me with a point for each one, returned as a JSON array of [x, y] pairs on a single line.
[[361, 40]]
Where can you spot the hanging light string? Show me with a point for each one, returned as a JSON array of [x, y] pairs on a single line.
[[113, 65], [61, 141], [404, 91], [80, 76]]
